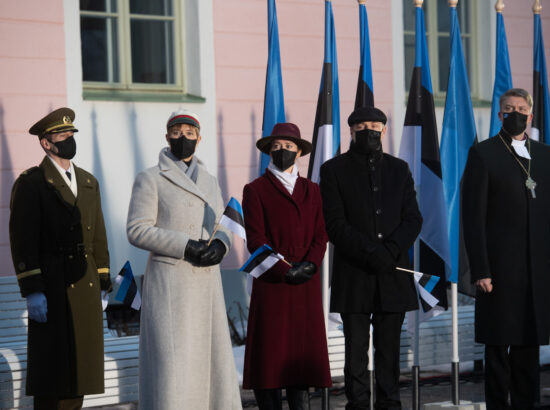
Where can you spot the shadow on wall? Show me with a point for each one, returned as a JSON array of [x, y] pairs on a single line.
[[7, 178], [255, 154], [222, 164], [139, 163]]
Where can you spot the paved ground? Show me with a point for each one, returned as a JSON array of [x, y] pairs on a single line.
[[435, 388]]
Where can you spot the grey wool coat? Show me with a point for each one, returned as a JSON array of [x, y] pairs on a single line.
[[185, 355]]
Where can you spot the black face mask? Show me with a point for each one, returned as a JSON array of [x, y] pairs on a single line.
[[182, 147], [514, 123], [368, 141], [65, 149], [283, 158]]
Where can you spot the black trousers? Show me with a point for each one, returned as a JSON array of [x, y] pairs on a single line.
[[514, 370], [386, 341], [54, 403], [271, 399]]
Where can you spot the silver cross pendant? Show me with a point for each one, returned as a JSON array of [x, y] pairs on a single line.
[[531, 185]]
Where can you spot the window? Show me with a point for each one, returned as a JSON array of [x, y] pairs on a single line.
[[438, 24], [132, 48]]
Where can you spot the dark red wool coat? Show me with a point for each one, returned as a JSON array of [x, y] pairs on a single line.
[[286, 342]]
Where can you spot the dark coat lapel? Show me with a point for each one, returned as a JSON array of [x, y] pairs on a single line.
[[55, 181], [299, 192], [85, 187]]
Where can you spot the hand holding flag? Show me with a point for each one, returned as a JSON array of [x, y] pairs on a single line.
[[232, 218]]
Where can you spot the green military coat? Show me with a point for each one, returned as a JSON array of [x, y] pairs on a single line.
[[59, 247]]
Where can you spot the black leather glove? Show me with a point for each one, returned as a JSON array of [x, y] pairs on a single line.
[[381, 260], [194, 250], [213, 254], [300, 273]]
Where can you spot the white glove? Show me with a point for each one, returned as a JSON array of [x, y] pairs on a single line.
[[37, 307]]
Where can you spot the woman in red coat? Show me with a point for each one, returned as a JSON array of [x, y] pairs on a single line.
[[286, 340]]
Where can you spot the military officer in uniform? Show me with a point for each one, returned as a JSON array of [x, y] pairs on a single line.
[[372, 218], [59, 250]]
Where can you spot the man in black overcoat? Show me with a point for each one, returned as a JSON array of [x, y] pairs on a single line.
[[506, 222], [372, 219]]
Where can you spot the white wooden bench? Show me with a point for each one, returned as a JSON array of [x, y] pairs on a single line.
[[435, 342], [121, 356]]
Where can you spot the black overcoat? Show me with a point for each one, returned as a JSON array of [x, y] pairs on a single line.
[[507, 236], [367, 202], [59, 247]]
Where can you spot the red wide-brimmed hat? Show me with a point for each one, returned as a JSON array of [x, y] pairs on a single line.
[[284, 131]]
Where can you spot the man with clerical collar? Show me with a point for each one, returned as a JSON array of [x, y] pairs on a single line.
[[372, 218], [59, 250], [506, 222]]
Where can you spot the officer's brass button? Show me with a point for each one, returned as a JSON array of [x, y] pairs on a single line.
[[85, 255], [89, 228], [72, 285], [88, 180], [91, 284], [70, 256]]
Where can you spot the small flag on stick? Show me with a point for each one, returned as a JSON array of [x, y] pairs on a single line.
[[425, 284], [233, 218], [261, 261], [127, 291]]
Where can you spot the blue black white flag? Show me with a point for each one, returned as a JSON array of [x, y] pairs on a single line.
[[127, 291], [261, 261], [274, 101], [425, 285], [420, 148], [457, 136], [233, 218], [540, 128], [326, 130], [503, 75], [364, 96]]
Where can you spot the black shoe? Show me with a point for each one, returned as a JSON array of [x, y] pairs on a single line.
[[298, 399], [268, 399]]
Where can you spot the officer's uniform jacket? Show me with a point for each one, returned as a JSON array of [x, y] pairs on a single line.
[[59, 247]]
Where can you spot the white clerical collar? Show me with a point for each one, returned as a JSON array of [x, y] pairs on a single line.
[[71, 183], [287, 179], [520, 148]]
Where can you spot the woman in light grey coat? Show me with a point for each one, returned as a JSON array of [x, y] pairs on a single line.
[[185, 354]]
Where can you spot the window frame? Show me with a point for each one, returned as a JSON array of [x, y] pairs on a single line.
[[433, 35], [126, 89]]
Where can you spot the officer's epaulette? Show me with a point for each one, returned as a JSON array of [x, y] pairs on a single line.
[[30, 170]]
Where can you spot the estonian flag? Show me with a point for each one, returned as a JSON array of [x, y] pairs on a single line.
[[274, 101], [457, 136], [503, 75], [261, 261], [540, 128], [420, 148], [425, 284], [326, 130], [127, 291], [364, 96], [233, 218]]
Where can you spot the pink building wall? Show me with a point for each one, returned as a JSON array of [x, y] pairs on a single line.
[[32, 83], [241, 58]]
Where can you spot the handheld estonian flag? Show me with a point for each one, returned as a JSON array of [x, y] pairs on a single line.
[[261, 261], [540, 130], [127, 291], [233, 218], [425, 285], [503, 74], [420, 148], [457, 136], [364, 96], [326, 130], [274, 101]]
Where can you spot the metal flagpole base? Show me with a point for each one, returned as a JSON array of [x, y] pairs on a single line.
[[454, 381], [371, 385], [325, 399], [416, 387]]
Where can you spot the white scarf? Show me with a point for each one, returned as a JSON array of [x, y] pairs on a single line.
[[287, 179], [519, 147]]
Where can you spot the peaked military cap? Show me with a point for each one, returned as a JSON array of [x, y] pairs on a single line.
[[57, 121]]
